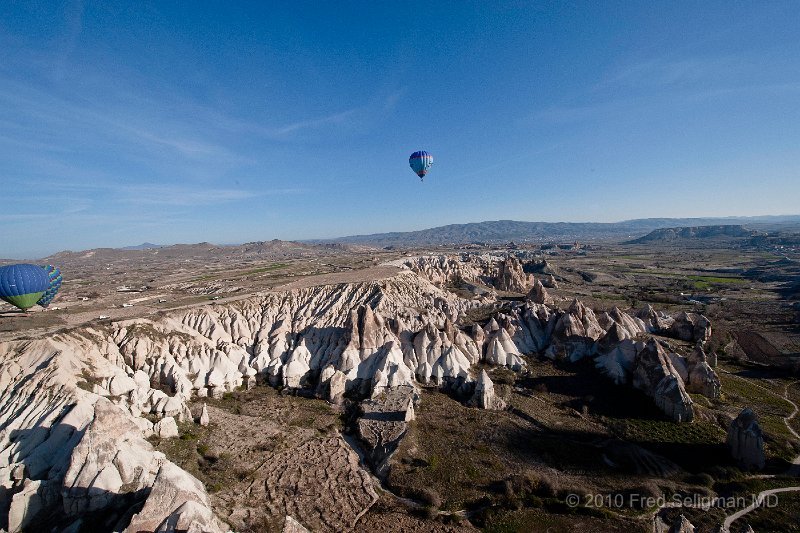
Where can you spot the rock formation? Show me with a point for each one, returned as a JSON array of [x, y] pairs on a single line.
[[484, 396], [166, 428], [204, 418], [83, 452], [72, 406], [384, 423], [746, 441], [654, 374], [690, 327], [538, 294], [550, 282], [703, 380], [184, 501], [655, 321], [511, 277]]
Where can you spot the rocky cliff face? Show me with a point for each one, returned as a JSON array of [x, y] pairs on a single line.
[[73, 406]]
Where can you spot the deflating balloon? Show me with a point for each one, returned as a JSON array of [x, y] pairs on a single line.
[[54, 274], [22, 285], [420, 162]]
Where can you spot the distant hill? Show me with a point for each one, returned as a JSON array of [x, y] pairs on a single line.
[[718, 232], [510, 230], [203, 252], [143, 246]]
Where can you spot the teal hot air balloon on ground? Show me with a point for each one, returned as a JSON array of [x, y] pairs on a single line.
[[420, 163], [54, 275], [22, 285]]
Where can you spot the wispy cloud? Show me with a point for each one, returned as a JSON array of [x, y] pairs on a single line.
[[652, 84], [355, 117], [336, 118], [192, 196], [22, 217], [668, 72]]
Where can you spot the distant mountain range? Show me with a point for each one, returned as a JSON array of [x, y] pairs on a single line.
[[497, 231], [510, 230]]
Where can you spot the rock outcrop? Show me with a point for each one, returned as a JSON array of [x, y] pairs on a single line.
[[511, 277], [182, 498], [538, 294], [654, 374], [204, 419], [550, 282], [484, 396], [703, 380], [384, 422], [166, 428], [746, 442], [70, 447], [690, 327]]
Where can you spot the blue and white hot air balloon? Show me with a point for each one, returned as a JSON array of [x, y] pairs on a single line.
[[420, 163]]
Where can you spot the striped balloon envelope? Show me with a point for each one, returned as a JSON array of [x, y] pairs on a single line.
[[54, 275], [22, 285], [420, 163]]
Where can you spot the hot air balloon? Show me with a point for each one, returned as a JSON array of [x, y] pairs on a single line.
[[420, 163], [22, 285], [54, 274]]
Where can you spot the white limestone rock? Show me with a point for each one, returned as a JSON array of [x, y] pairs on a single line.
[[511, 277], [290, 525], [703, 380], [617, 363], [501, 350], [484, 395], [26, 505], [166, 428], [538, 294], [177, 502]]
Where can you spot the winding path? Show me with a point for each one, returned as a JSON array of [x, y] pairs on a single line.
[[758, 501], [793, 470]]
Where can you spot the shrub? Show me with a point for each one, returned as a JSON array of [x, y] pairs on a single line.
[[547, 486], [430, 498]]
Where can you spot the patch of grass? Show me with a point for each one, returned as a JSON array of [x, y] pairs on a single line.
[[743, 390], [694, 446], [783, 517], [227, 274], [268, 268], [666, 431], [731, 280], [608, 296]]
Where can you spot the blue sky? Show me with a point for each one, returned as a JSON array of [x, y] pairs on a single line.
[[231, 122]]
